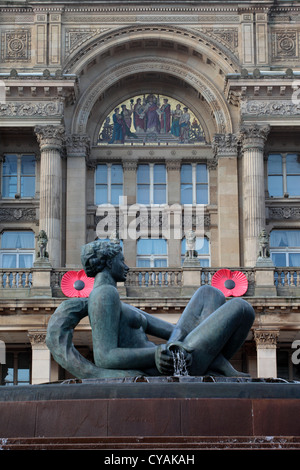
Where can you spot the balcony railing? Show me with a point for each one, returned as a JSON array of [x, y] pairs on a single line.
[[286, 280]]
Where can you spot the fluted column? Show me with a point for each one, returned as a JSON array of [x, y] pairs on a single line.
[[50, 139], [77, 147], [225, 148], [253, 138]]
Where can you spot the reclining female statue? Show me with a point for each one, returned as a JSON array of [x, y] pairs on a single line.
[[209, 332]]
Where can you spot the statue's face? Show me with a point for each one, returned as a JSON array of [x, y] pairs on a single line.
[[119, 268]]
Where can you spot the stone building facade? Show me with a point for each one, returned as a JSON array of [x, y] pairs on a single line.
[[230, 171]]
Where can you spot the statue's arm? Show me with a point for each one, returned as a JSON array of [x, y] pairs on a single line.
[[158, 327], [104, 313]]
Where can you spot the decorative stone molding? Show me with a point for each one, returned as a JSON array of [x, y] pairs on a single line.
[[129, 165], [15, 45], [50, 137], [173, 164], [77, 145], [30, 109], [266, 339], [285, 44], [37, 338], [225, 145], [280, 213], [11, 215], [270, 108]]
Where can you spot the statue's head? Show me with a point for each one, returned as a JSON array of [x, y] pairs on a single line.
[[99, 255]]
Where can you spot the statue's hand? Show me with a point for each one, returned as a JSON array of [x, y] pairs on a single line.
[[164, 360]]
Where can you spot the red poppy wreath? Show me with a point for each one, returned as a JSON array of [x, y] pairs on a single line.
[[230, 283], [76, 284]]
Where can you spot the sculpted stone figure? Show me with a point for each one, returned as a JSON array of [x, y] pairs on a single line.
[[208, 333]]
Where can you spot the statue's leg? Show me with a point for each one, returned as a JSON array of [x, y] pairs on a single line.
[[203, 303], [219, 336]]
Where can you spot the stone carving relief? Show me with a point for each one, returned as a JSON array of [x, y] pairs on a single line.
[[226, 36], [11, 215], [270, 108], [39, 109], [75, 37], [285, 44], [280, 213], [15, 45]]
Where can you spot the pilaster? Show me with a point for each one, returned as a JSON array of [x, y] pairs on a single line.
[[77, 147], [266, 343], [225, 146], [41, 357]]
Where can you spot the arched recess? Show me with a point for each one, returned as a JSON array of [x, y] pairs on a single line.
[[198, 63], [212, 96]]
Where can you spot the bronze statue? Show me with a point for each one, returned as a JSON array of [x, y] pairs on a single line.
[[209, 332]]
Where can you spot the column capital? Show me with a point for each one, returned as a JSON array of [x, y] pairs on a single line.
[[77, 145], [253, 135], [225, 145], [37, 337], [50, 137], [266, 339], [129, 164]]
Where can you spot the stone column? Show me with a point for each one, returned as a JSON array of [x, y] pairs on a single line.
[[253, 140], [50, 139], [225, 147], [77, 147], [41, 357], [266, 342]]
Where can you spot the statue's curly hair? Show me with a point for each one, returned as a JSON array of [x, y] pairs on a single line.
[[94, 256]]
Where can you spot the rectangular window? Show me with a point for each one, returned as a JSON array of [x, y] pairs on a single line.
[[152, 252], [17, 252], [108, 184], [151, 184], [284, 175], [17, 369], [18, 176], [194, 183]]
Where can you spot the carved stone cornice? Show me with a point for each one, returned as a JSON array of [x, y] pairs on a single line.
[[266, 339], [77, 145], [253, 136], [50, 137], [225, 145]]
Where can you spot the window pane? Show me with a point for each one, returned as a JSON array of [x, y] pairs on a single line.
[[279, 259], [10, 165], [101, 174], [28, 165], [143, 194], [8, 375], [160, 263], [202, 194], [9, 261], [293, 185], [159, 174], [294, 259], [9, 186], [152, 246], [186, 194], [17, 240], [116, 193], [117, 174], [101, 194], [159, 194], [275, 164], [143, 263], [275, 186], [292, 164], [25, 260], [23, 368], [143, 174], [186, 174], [202, 246], [285, 238], [27, 186], [201, 173]]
